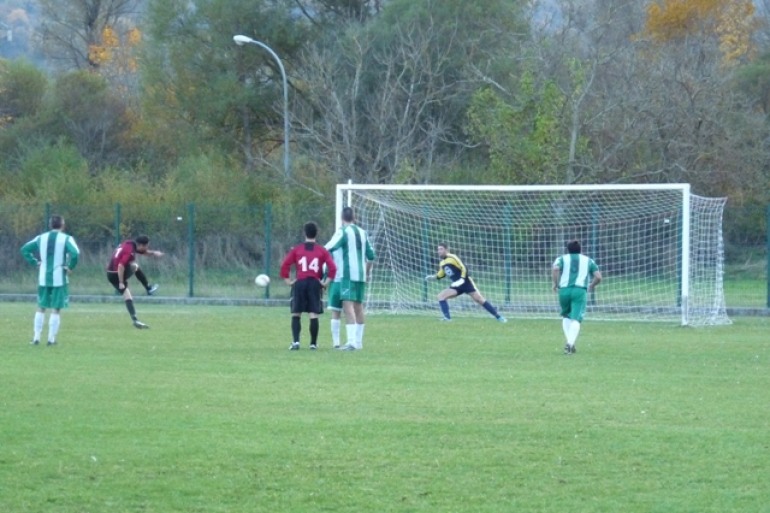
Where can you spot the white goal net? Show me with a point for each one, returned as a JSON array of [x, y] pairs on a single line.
[[659, 247]]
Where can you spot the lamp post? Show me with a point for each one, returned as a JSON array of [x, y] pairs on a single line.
[[242, 40]]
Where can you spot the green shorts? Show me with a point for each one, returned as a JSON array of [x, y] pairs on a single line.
[[335, 301], [573, 303], [352, 290], [53, 297]]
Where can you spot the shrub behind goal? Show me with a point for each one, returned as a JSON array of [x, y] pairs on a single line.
[[659, 247]]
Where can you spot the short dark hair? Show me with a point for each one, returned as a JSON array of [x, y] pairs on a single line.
[[444, 245], [143, 240], [573, 246], [311, 230], [56, 222], [347, 215]]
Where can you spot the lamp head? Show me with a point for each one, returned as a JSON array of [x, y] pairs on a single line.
[[242, 40]]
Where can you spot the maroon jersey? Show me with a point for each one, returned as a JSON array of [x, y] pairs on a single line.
[[123, 254], [309, 259]]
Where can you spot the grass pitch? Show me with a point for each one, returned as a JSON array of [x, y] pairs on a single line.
[[208, 411]]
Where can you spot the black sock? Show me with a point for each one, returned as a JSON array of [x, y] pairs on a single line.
[[313, 331], [130, 308], [295, 328], [491, 309], [142, 278]]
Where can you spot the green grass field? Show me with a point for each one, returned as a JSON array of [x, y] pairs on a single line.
[[209, 412]]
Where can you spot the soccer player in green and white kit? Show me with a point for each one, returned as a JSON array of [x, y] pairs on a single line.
[[573, 274], [357, 258], [56, 255]]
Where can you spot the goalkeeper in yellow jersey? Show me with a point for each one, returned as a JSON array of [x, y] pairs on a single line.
[[453, 268]]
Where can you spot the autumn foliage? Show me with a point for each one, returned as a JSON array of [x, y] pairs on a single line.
[[731, 22]]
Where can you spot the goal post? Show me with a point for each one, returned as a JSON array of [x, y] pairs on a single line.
[[659, 247]]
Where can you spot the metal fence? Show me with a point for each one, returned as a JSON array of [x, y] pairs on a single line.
[[209, 250], [215, 250]]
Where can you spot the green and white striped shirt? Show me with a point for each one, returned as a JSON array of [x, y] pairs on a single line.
[[356, 252], [54, 251], [576, 270]]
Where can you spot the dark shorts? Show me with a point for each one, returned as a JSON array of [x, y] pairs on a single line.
[[306, 296], [468, 287], [112, 277]]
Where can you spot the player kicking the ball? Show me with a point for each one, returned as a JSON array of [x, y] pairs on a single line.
[[453, 268], [123, 265]]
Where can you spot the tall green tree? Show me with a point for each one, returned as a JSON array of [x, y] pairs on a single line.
[[22, 87], [386, 101], [202, 91], [85, 110], [335, 12], [522, 131]]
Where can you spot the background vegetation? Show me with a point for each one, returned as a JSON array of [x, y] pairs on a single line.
[[149, 102]]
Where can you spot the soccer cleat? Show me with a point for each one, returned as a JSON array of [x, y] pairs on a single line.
[[502, 319], [447, 319], [567, 349], [153, 288], [336, 346], [51, 343], [35, 342], [294, 346], [348, 347], [313, 347], [573, 349], [140, 325]]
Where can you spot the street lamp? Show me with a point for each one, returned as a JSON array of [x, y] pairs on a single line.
[[242, 40]]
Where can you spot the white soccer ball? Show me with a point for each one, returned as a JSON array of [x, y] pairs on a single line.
[[262, 280]]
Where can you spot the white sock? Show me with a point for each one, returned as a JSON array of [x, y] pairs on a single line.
[[574, 330], [39, 320], [360, 336], [53, 326], [565, 324], [351, 332], [335, 332]]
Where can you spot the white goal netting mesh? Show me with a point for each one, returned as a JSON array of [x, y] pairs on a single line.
[[508, 238]]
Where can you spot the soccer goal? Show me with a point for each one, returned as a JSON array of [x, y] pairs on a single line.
[[659, 247]]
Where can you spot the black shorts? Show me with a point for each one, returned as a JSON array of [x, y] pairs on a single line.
[[468, 287], [306, 296], [112, 277]]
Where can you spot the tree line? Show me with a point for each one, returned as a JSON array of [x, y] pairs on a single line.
[[150, 101]]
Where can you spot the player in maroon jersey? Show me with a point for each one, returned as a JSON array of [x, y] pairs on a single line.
[[123, 265], [307, 286]]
